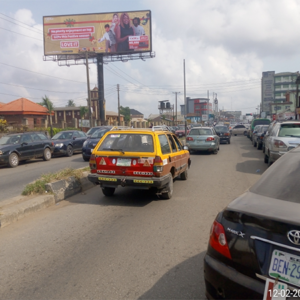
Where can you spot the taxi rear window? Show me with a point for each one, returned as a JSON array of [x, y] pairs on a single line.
[[127, 142]]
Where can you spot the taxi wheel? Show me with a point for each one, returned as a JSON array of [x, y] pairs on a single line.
[[184, 175], [108, 191], [69, 150], [168, 195]]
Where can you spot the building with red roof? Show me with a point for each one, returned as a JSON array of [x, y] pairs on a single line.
[[23, 112]]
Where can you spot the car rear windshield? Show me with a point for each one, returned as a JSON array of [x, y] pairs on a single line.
[[127, 143], [292, 130], [221, 128], [281, 181], [8, 140], [201, 131], [261, 122], [63, 136], [99, 134]]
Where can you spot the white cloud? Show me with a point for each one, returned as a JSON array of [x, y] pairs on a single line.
[[226, 44]]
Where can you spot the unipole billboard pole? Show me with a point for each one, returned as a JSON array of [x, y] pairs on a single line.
[[119, 119], [101, 88], [88, 87], [185, 104]]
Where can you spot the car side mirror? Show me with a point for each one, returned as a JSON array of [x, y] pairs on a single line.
[[185, 148]]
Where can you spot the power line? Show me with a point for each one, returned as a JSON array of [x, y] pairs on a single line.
[[21, 34]]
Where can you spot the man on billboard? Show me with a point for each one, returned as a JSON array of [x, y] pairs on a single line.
[[123, 31], [109, 39], [138, 29]]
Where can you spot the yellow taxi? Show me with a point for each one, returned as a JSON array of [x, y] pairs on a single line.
[[140, 159]]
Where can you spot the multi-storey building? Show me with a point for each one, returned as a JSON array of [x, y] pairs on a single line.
[[197, 108], [274, 88]]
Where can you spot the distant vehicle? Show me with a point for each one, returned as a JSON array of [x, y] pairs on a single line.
[[90, 143], [258, 122], [281, 138], [94, 129], [258, 135], [23, 146], [180, 132], [68, 142], [239, 129], [256, 237], [203, 139], [224, 133]]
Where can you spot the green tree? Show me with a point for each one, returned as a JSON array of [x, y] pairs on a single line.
[[125, 111], [49, 105], [83, 111], [71, 103]]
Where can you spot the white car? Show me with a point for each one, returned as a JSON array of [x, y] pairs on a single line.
[[239, 129]]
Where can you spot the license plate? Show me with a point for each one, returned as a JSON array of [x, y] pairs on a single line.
[[285, 267], [107, 179], [276, 290], [124, 162], [142, 181]]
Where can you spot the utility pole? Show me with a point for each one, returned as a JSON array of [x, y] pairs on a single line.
[[119, 119], [88, 87], [185, 104], [176, 105]]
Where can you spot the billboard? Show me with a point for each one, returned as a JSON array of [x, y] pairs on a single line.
[[107, 33]]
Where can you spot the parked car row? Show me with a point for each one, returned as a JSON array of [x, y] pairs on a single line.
[[254, 244], [276, 139]]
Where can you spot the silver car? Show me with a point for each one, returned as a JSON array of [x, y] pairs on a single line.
[[203, 139], [281, 138]]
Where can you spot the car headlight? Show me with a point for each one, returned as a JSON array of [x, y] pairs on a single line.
[[1, 152], [59, 145], [85, 143]]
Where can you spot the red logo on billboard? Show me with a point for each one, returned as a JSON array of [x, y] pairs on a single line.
[[69, 44]]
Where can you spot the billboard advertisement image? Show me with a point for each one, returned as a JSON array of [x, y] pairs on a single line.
[[107, 33]]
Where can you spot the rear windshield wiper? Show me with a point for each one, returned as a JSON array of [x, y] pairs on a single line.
[[111, 149]]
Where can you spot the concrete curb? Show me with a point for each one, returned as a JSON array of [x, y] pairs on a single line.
[[14, 209]]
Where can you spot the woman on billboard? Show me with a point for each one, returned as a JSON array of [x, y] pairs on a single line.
[[123, 31]]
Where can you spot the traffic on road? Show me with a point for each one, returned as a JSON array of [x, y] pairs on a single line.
[[252, 243]]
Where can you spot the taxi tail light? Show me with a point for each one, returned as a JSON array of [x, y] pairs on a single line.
[[158, 160], [209, 139], [218, 239], [189, 138], [279, 144], [93, 164]]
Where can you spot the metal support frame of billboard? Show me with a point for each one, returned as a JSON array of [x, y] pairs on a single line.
[[79, 59], [100, 60]]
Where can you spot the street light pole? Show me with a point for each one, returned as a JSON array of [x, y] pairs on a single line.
[[88, 87], [185, 104], [176, 106]]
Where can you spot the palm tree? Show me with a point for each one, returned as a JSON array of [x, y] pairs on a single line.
[[49, 105], [83, 111], [71, 103]]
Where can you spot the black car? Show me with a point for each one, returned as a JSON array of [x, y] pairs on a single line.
[[256, 238], [92, 141], [224, 133], [23, 146], [67, 142]]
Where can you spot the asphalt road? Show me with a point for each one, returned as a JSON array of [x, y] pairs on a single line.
[[130, 246], [13, 180]]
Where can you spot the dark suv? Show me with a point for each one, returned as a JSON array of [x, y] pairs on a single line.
[[22, 146]]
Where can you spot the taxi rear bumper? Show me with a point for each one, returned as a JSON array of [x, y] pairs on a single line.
[[137, 182]]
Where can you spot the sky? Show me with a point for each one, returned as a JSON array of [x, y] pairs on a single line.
[[226, 45]]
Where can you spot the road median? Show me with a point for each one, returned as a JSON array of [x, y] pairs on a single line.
[[44, 192]]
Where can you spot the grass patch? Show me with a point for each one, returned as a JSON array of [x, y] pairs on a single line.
[[39, 186]]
